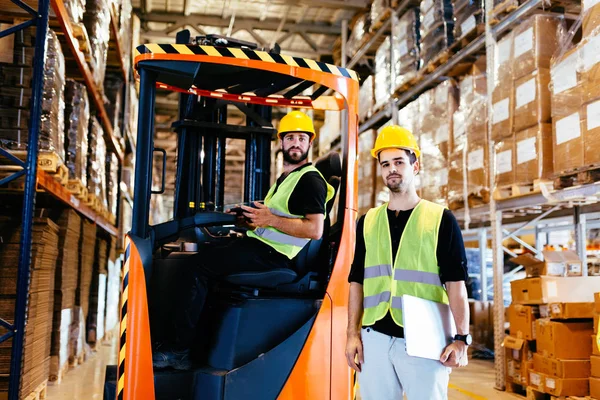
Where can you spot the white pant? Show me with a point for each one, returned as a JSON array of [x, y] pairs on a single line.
[[388, 372]]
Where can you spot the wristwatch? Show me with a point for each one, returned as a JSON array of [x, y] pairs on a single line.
[[468, 339]]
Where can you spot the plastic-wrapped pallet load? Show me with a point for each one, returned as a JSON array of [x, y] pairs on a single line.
[[366, 171], [406, 47], [365, 99], [535, 42], [97, 299], [437, 28], [457, 175], [382, 84], [434, 167], [77, 119], [75, 9], [96, 170], [38, 326], [503, 96], [409, 117], [113, 87], [125, 31], [473, 100], [591, 17], [15, 92], [380, 11], [565, 84], [468, 16], [568, 142], [477, 171], [97, 22], [330, 130]]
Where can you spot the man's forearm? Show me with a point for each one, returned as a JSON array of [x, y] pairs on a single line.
[[299, 227], [355, 308], [459, 304]]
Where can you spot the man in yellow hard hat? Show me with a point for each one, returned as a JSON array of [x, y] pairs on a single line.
[[408, 246], [293, 213]]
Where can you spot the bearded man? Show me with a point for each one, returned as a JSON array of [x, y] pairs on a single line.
[[293, 213]]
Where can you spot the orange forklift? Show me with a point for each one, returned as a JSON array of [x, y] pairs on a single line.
[[279, 335]]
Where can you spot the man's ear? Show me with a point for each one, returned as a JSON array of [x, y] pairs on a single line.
[[416, 167]]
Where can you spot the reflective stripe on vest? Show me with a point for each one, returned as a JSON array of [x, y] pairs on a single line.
[[415, 271], [277, 202]]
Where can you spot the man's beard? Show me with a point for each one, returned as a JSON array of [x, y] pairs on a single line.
[[398, 186], [295, 159]]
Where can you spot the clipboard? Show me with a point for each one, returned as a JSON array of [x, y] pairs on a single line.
[[428, 327]]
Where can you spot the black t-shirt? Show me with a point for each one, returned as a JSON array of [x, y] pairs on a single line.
[[450, 253], [309, 195]]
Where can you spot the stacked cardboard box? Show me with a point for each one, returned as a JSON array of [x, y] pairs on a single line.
[[97, 22], [36, 344], [366, 172], [482, 322], [595, 358], [552, 306], [65, 283], [96, 166], [383, 74], [77, 119], [468, 15], [590, 81]]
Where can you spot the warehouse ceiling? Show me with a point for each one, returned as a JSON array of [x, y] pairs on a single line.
[[304, 28]]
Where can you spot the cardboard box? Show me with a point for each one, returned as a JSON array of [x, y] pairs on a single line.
[[567, 140], [595, 366], [456, 178], [565, 84], [596, 348], [566, 387], [522, 321], [597, 302], [476, 122], [532, 99], [504, 58], [533, 154], [590, 9], [590, 127], [557, 263], [564, 339], [569, 369], [567, 311], [502, 111], [596, 322], [590, 67], [477, 168], [551, 289], [535, 42], [519, 357], [505, 161], [595, 388]]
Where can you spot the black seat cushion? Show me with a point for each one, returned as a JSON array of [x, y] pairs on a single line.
[[264, 279]]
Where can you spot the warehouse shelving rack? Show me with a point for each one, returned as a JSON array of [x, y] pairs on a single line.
[[37, 179], [507, 218]]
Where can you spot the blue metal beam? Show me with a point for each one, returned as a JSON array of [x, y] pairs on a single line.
[[12, 177]]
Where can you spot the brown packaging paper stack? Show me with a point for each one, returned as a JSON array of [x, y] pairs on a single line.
[[533, 154]]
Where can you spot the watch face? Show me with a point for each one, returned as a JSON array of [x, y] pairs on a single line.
[[468, 340]]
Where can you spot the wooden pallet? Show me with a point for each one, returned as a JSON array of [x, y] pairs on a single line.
[[93, 202], [380, 21], [78, 360], [39, 393], [524, 189], [439, 60], [57, 379], [84, 40], [49, 162], [577, 176], [468, 38], [408, 84], [516, 389], [502, 10], [78, 189]]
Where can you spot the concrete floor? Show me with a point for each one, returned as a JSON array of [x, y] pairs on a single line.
[[474, 382]]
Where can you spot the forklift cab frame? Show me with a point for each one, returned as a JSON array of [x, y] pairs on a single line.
[[318, 369]]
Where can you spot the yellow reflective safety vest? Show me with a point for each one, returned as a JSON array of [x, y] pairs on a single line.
[[415, 271], [277, 201]]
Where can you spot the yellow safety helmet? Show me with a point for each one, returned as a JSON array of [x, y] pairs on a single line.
[[296, 121], [395, 137]]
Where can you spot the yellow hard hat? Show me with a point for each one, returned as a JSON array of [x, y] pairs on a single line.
[[395, 137], [296, 121]]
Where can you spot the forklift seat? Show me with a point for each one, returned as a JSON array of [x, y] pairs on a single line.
[[330, 166]]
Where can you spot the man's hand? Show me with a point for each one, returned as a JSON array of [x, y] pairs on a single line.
[[354, 351], [455, 355], [260, 216]]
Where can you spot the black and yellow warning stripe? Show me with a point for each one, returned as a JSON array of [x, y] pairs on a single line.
[[246, 55], [123, 326]]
